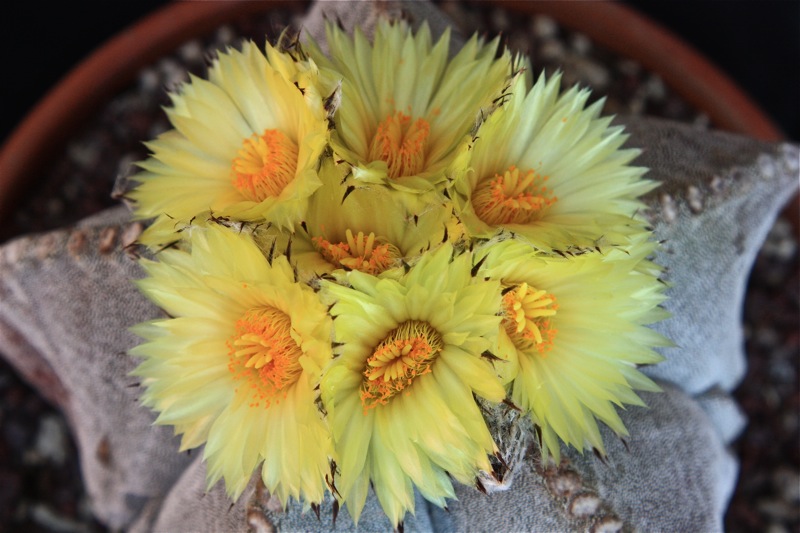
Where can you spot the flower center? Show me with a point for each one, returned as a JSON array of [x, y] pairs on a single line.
[[401, 143], [367, 253], [408, 351], [264, 355], [264, 166], [513, 198], [526, 317]]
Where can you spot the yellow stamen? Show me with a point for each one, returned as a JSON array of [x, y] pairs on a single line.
[[263, 353], [527, 312], [265, 165], [408, 351], [513, 198], [367, 253], [401, 143]]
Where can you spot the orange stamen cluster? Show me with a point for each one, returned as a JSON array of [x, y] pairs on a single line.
[[264, 355], [401, 143], [408, 351], [526, 317], [265, 165], [367, 253], [513, 198]]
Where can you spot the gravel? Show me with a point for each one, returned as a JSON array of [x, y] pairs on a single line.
[[40, 484]]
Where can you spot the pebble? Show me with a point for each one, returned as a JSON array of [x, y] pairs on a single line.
[[544, 27], [519, 43], [580, 43], [149, 82], [499, 20], [629, 67], [777, 509], [192, 52], [173, 74], [656, 90], [226, 35], [592, 73], [780, 242], [55, 207], [51, 441], [46, 517], [637, 103], [775, 527], [702, 121], [782, 371], [790, 421], [82, 154], [787, 481], [552, 50]]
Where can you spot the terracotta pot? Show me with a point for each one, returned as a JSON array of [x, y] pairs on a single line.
[[117, 63]]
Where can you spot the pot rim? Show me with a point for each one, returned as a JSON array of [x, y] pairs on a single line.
[[115, 64]]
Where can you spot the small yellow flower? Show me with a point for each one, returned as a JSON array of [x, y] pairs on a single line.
[[237, 366], [399, 395], [405, 107], [364, 227], [246, 145], [551, 172], [573, 333]]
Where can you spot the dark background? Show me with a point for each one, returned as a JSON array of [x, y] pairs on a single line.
[[756, 42]]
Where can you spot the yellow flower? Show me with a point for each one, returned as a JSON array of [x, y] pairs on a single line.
[[550, 171], [237, 366], [365, 227], [405, 107], [246, 145], [399, 395], [573, 334]]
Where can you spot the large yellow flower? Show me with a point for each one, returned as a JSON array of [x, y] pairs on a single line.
[[550, 171], [405, 107], [399, 395], [573, 333], [246, 145], [237, 366]]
